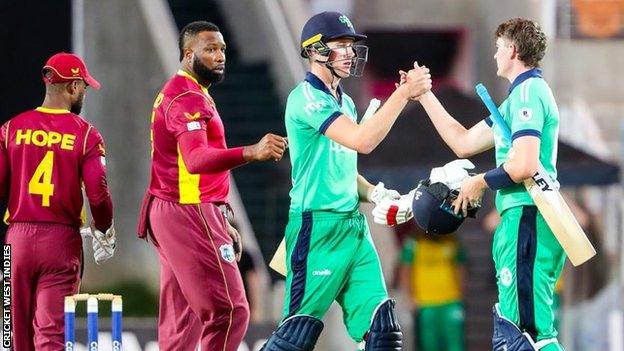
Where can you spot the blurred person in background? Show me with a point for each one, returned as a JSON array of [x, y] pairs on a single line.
[[330, 254], [46, 155], [432, 275], [185, 209]]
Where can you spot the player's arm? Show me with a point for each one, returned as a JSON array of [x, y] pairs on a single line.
[[199, 157], [364, 188], [96, 187], [524, 162], [368, 192], [520, 166], [365, 137], [187, 117], [527, 122], [94, 180], [464, 142]]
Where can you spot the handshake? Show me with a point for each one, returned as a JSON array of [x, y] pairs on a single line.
[[414, 83], [392, 208]]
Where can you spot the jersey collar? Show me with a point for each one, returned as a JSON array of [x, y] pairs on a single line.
[[52, 111], [535, 72], [190, 77], [318, 84]]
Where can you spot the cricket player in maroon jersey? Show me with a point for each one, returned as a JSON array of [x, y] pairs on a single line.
[[45, 156], [202, 298]]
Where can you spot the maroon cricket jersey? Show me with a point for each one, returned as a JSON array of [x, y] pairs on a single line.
[[47, 154], [184, 105]]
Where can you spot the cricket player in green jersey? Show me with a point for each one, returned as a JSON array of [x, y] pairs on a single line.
[[330, 254], [527, 257]]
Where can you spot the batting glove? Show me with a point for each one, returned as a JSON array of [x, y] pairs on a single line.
[[380, 193], [392, 212], [451, 174], [103, 243]]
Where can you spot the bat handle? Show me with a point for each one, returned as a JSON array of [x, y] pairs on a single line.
[[372, 108]]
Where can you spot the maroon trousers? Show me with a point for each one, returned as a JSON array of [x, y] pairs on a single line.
[[45, 267], [202, 298]]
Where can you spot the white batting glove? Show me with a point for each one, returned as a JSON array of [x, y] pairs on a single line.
[[103, 243], [380, 193], [392, 212], [451, 174]]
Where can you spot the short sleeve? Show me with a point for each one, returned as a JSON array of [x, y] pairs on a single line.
[[527, 111], [187, 113], [317, 109]]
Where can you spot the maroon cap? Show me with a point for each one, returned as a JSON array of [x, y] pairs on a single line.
[[64, 67]]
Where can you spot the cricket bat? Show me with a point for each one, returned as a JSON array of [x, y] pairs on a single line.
[[278, 262], [547, 198]]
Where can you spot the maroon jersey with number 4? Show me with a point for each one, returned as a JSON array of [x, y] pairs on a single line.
[[45, 157]]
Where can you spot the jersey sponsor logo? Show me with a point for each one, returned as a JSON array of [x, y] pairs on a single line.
[[525, 114], [506, 277], [191, 126], [44, 138], [227, 252], [314, 106], [323, 272], [193, 116]]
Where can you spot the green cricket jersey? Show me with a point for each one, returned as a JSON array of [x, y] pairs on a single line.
[[324, 173], [530, 109]]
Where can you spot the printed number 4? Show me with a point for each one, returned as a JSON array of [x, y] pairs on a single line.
[[41, 181]]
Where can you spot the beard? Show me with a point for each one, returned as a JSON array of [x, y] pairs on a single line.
[[76, 107], [205, 75]]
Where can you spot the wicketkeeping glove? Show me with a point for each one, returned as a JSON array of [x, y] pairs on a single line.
[[380, 193], [392, 212], [103, 243]]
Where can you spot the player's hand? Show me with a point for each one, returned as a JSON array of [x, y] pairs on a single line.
[[103, 243], [271, 146], [237, 240], [414, 83], [379, 193], [470, 194], [393, 212], [451, 174]]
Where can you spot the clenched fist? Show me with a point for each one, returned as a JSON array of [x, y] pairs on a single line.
[[271, 146]]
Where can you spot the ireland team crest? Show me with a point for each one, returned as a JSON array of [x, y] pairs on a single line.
[[227, 252], [344, 19]]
